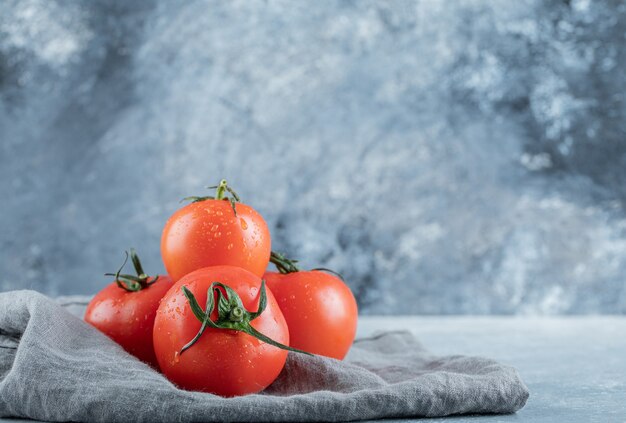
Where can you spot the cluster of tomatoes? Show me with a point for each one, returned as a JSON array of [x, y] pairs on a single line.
[[220, 322]]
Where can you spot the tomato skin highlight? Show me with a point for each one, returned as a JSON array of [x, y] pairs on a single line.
[[128, 317], [207, 233], [223, 362], [319, 308]]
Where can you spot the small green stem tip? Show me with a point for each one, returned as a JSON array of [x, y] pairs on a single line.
[[221, 190], [236, 315]]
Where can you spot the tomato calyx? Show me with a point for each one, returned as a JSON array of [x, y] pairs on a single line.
[[232, 315], [286, 265], [222, 192], [133, 283], [283, 264]]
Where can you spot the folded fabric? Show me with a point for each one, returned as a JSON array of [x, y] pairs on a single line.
[[55, 367]]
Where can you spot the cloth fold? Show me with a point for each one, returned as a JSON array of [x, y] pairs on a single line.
[[55, 367]]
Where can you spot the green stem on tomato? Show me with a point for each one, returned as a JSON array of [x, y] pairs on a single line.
[[132, 283], [232, 315], [283, 264], [222, 192]]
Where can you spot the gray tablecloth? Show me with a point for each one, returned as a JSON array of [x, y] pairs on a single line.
[[55, 367]]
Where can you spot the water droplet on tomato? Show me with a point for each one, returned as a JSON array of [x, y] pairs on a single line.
[[230, 246], [176, 357], [244, 224], [217, 234]]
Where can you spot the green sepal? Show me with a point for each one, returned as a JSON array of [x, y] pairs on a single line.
[[262, 302], [205, 318], [253, 332], [193, 303], [196, 199], [137, 263]]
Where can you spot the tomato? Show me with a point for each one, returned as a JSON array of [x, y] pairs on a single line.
[[319, 308], [214, 231], [125, 310], [223, 356]]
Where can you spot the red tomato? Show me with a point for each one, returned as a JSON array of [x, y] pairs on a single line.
[[207, 232], [319, 308], [223, 360], [125, 310]]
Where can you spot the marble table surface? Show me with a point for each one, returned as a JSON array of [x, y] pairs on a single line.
[[575, 367]]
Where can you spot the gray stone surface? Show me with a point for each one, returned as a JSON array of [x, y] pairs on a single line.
[[574, 367], [446, 157]]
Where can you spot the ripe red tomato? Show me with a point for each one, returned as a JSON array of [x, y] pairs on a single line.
[[125, 310], [319, 308], [211, 231], [222, 355]]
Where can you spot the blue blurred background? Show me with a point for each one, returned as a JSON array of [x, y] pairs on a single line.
[[446, 157]]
